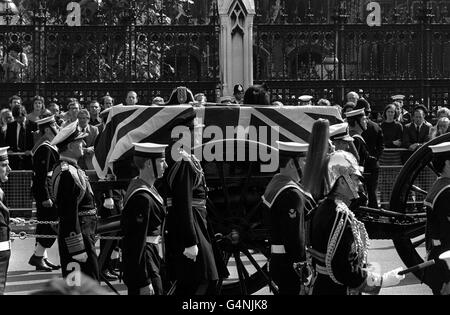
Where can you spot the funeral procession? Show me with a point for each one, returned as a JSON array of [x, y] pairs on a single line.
[[220, 148]]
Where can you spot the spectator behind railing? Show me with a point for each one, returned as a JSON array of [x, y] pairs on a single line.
[[14, 101], [442, 112], [6, 117], [19, 137], [441, 127], [72, 112], [392, 128], [392, 136], [38, 107]]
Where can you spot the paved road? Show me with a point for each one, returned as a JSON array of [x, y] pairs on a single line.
[[22, 279]]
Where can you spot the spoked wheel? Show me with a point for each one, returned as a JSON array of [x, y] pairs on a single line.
[[410, 190], [240, 224]]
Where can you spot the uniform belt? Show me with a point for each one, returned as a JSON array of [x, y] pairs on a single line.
[[436, 242], [153, 239], [4, 246], [277, 249], [87, 213], [195, 202]]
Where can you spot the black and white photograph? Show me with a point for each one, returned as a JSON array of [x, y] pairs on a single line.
[[227, 153]]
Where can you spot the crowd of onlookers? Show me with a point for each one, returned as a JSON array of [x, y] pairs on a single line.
[[18, 130]]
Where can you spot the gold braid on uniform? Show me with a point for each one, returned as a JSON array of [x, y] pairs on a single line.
[[360, 236]]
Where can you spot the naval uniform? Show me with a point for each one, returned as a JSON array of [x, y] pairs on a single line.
[[339, 244], [5, 244], [45, 156], [141, 223], [77, 217], [438, 232], [186, 225], [361, 148], [285, 199]]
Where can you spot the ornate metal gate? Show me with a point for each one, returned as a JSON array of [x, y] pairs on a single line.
[[325, 48], [150, 46]]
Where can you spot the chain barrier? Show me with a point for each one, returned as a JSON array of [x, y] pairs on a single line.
[[24, 235]]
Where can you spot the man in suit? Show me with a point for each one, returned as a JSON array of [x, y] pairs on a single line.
[[83, 124], [19, 137], [417, 132]]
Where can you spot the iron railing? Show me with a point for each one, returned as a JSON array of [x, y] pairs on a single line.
[[308, 48], [147, 46]]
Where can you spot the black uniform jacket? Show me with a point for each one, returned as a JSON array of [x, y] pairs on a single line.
[[142, 216], [45, 157], [339, 254], [4, 219], [73, 194], [285, 199], [186, 221], [438, 224]]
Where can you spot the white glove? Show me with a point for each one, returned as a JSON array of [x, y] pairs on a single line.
[[147, 290], [391, 278], [108, 203], [191, 252], [81, 257]]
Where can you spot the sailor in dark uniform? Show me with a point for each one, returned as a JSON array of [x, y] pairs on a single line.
[[285, 199], [141, 222], [75, 205], [438, 221], [188, 242], [5, 243], [357, 122], [339, 242], [44, 157]]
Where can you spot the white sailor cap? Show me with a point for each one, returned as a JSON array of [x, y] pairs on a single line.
[[149, 150], [443, 147], [4, 154], [398, 97], [68, 134], [292, 148], [355, 113], [340, 132], [305, 98], [46, 120]]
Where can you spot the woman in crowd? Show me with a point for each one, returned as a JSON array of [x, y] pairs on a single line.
[[443, 112], [441, 127], [5, 118], [392, 129], [38, 107], [392, 136]]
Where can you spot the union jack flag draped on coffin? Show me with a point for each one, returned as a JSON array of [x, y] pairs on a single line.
[[128, 124]]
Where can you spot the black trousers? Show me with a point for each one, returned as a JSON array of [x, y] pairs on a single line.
[[371, 181], [282, 272], [46, 214], [4, 264], [152, 264], [90, 267], [435, 275]]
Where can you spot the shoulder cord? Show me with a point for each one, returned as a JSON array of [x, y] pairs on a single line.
[[359, 234], [335, 237]]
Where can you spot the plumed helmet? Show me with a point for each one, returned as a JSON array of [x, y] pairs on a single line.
[[343, 164]]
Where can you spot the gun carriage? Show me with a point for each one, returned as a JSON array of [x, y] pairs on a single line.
[[233, 165]]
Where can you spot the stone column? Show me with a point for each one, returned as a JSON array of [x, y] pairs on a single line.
[[236, 43]]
